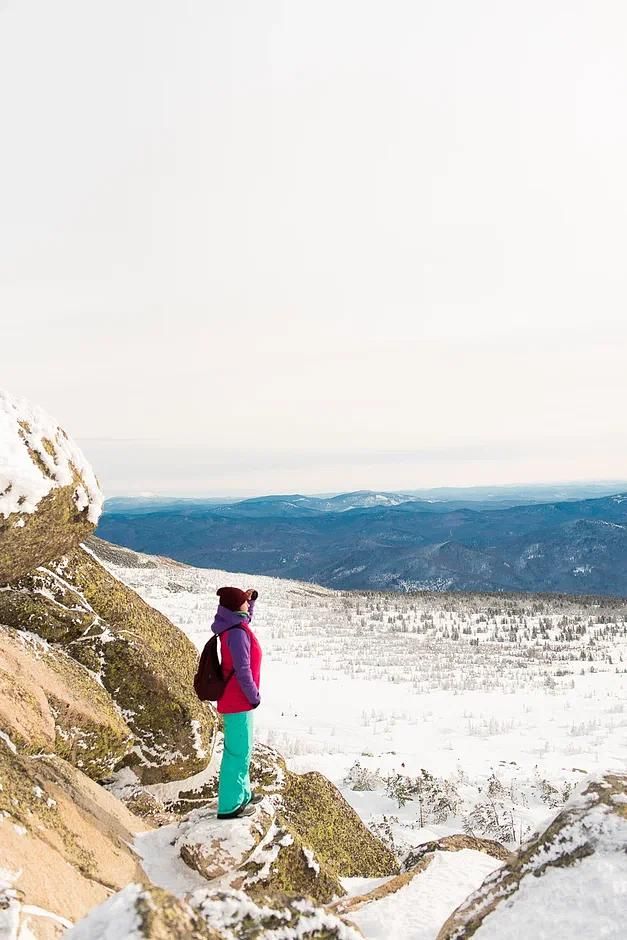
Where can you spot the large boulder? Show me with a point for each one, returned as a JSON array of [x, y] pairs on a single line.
[[143, 661], [143, 913], [283, 864], [260, 855], [214, 847], [233, 914], [49, 497], [325, 822], [314, 811], [153, 914], [568, 881], [65, 842], [49, 702]]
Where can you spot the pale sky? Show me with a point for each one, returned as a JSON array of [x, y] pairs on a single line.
[[318, 245]]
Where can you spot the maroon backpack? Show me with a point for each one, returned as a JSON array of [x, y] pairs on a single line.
[[210, 681]]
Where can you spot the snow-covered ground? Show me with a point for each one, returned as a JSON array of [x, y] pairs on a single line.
[[433, 714]]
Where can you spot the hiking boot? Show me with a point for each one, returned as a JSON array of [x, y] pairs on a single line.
[[255, 798], [244, 810]]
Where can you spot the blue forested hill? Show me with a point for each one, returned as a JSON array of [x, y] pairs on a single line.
[[570, 546]]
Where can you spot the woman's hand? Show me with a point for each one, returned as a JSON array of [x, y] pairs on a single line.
[[251, 594]]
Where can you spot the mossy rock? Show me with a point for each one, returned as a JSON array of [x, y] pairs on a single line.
[[49, 702], [316, 810], [49, 497], [64, 836], [150, 913], [144, 662], [283, 865], [593, 822], [233, 914], [268, 770]]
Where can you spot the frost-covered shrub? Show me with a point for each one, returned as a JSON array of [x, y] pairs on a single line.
[[437, 797], [362, 778], [384, 831]]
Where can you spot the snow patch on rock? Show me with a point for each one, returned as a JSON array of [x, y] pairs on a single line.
[[37, 456]]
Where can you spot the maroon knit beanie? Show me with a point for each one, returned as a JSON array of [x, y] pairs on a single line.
[[231, 597]]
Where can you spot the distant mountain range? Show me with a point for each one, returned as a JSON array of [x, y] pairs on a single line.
[[498, 539]]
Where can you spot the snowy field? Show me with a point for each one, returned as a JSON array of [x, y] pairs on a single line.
[[433, 713]]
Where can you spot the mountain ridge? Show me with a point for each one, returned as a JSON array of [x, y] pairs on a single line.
[[572, 546]]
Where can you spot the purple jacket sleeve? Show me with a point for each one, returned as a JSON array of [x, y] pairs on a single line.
[[251, 608], [239, 646]]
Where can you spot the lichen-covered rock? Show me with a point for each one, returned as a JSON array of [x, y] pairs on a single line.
[[64, 839], [50, 702], [317, 815], [49, 497], [325, 822], [144, 662], [281, 864], [233, 914], [146, 913], [568, 881], [309, 840]]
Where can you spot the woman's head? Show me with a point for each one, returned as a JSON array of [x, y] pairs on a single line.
[[233, 598]]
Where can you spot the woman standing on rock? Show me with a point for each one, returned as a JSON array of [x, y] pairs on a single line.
[[241, 663]]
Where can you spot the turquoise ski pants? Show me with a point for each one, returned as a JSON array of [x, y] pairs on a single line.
[[234, 785]]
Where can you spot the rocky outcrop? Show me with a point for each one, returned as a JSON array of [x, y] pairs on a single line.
[[153, 914], [146, 913], [65, 840], [568, 881], [325, 822], [49, 497], [313, 811], [214, 847], [456, 843], [144, 662], [234, 914], [283, 864], [93, 680], [49, 702], [261, 855]]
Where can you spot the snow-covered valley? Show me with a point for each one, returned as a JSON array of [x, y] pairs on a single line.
[[434, 714]]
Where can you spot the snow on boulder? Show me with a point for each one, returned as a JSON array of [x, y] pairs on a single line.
[[49, 497], [232, 914], [282, 864], [139, 913], [569, 881], [214, 846], [148, 913]]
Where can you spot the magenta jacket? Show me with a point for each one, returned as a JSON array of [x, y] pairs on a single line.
[[241, 655]]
